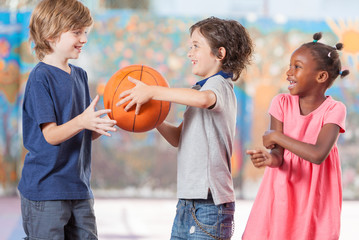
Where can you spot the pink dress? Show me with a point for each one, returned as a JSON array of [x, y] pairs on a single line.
[[300, 200]]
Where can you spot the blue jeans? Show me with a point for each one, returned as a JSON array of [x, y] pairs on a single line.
[[201, 219], [58, 220]]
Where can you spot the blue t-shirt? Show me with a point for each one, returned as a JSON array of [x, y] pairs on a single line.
[[55, 172]]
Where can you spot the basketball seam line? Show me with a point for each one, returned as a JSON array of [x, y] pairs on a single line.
[[134, 120], [112, 102]]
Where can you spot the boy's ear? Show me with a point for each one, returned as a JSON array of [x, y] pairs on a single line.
[[221, 53], [322, 76], [50, 40]]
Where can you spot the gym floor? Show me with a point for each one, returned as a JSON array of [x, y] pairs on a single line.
[[149, 219]]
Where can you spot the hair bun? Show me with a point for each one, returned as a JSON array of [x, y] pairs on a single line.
[[344, 73], [339, 46], [317, 36]]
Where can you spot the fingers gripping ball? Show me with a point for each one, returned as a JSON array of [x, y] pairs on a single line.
[[151, 114]]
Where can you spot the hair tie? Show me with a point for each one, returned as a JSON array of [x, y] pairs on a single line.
[[315, 40], [340, 72], [329, 54]]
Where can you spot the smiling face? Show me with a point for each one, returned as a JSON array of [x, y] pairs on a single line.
[[302, 74], [204, 63], [69, 44]]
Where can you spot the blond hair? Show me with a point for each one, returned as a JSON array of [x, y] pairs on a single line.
[[51, 18]]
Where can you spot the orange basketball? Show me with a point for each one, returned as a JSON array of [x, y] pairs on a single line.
[[151, 114]]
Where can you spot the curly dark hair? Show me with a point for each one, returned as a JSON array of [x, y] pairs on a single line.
[[327, 58], [231, 35]]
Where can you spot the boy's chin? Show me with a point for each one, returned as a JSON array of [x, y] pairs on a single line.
[[197, 74]]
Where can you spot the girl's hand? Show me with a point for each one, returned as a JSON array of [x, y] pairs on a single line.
[[92, 120], [268, 139], [138, 95], [260, 158]]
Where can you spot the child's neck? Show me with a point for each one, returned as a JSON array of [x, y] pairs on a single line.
[[54, 61], [310, 103]]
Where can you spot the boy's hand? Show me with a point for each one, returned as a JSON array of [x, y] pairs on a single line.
[[260, 158], [91, 119], [138, 95]]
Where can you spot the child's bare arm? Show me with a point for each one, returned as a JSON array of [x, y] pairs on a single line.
[[314, 153], [262, 158], [142, 93], [89, 119], [170, 132]]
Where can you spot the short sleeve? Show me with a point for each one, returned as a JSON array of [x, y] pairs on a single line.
[[219, 86], [39, 98], [337, 115], [276, 107]]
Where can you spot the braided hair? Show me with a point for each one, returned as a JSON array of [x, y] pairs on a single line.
[[327, 57]]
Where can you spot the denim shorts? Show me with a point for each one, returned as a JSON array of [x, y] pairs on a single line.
[[202, 219], [58, 220]]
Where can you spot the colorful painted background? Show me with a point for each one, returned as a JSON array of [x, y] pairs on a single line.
[[143, 164]]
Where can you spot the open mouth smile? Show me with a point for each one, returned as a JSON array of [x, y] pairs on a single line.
[[291, 84]]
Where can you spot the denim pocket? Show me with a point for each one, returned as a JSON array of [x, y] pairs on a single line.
[[38, 205], [227, 220], [206, 214], [25, 209], [214, 221]]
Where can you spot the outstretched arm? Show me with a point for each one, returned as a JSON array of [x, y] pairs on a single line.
[[89, 119], [142, 93], [314, 153]]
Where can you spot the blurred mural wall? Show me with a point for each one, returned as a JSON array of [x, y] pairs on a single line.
[[143, 164]]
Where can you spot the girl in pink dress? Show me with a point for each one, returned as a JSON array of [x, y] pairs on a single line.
[[300, 196]]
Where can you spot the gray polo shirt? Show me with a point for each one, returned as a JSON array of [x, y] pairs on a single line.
[[206, 143]]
